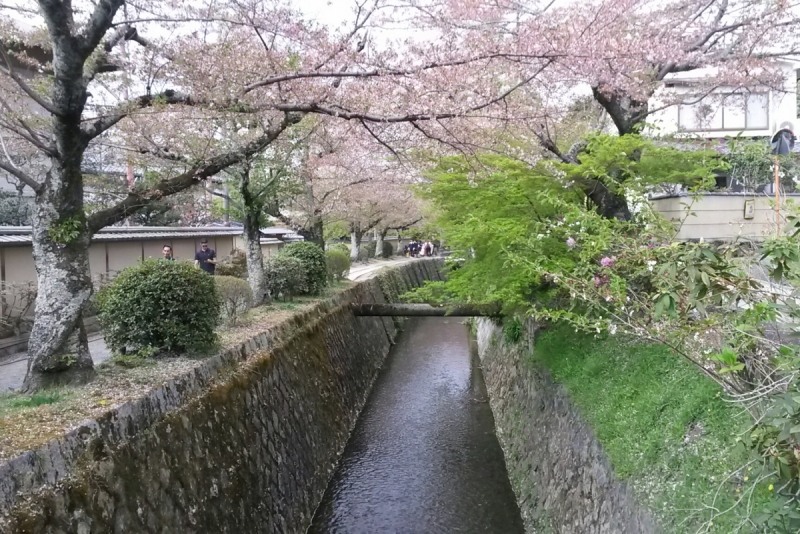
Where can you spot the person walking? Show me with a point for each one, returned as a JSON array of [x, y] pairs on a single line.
[[166, 253], [206, 258]]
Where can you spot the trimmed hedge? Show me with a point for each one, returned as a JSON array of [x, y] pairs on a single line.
[[366, 251], [338, 264], [167, 305], [312, 258], [285, 277], [388, 250]]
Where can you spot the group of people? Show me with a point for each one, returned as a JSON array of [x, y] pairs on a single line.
[[205, 258], [417, 248]]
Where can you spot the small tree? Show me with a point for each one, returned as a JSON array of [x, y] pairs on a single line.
[[168, 305], [313, 260], [235, 295]]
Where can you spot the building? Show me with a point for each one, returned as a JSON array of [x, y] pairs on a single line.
[[734, 212], [723, 111]]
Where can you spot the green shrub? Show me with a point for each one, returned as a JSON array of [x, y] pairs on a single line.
[[388, 250], [169, 305], [285, 277], [312, 258], [341, 247], [338, 264], [233, 265], [366, 251], [235, 295]]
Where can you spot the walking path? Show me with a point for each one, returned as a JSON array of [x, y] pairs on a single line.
[[12, 369]]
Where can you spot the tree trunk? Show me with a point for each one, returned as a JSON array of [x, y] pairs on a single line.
[[58, 348], [316, 231], [628, 115], [609, 204], [253, 208], [355, 241], [379, 235]]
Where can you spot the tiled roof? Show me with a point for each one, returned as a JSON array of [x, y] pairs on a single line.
[[22, 234]]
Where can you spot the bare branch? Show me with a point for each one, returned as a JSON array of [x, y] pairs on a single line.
[[21, 176]]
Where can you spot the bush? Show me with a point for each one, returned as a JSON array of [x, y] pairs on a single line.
[[168, 305], [284, 277], [341, 247], [233, 265], [313, 260], [388, 250], [366, 251], [235, 295], [338, 264]]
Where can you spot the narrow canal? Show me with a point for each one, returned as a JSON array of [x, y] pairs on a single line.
[[424, 457]]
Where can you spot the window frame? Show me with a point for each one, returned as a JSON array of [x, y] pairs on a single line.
[[723, 128]]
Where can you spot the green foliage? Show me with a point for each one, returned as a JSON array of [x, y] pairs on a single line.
[[66, 230], [312, 258], [285, 277], [485, 216], [235, 295], [168, 305], [751, 164], [664, 426], [233, 265], [341, 247], [631, 162], [366, 251], [387, 251], [338, 264], [513, 330]]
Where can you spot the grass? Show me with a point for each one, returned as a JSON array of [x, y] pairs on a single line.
[[664, 426], [14, 402]]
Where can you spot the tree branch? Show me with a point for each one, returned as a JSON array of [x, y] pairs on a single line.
[[97, 126], [138, 199], [9, 70], [98, 25], [21, 176]]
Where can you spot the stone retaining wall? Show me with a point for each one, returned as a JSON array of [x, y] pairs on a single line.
[[245, 443], [560, 474]]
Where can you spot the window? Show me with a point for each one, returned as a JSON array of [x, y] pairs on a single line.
[[732, 112]]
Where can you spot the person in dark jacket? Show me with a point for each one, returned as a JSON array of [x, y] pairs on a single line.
[[206, 258]]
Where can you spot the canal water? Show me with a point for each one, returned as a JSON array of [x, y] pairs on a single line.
[[423, 457]]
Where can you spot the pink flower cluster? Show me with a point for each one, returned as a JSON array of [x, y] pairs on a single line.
[[608, 262]]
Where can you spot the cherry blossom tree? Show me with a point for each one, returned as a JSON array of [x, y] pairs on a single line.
[[163, 81]]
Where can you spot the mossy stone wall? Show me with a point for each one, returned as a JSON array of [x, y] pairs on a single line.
[[563, 480], [245, 443]]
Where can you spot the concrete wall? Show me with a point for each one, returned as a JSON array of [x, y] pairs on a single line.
[[244, 443], [720, 216], [563, 481]]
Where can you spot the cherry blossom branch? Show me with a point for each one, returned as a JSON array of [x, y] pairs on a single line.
[[139, 199]]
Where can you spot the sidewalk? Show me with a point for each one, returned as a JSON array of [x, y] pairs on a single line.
[[362, 271], [12, 371]]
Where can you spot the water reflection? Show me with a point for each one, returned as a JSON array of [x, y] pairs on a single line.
[[423, 457]]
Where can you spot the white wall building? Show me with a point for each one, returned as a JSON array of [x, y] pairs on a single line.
[[723, 111]]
